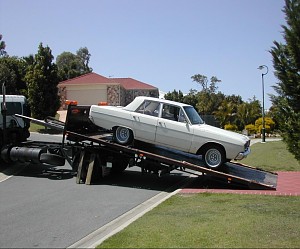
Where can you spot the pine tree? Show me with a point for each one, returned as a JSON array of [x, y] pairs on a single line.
[[42, 80], [286, 61]]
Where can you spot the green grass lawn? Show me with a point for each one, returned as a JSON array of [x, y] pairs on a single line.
[[222, 220], [42, 129], [215, 221], [272, 156]]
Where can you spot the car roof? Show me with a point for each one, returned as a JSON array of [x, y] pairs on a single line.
[[140, 99]]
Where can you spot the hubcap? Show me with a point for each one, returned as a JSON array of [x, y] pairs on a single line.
[[213, 158], [122, 134]]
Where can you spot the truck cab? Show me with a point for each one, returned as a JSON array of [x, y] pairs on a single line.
[[17, 129]]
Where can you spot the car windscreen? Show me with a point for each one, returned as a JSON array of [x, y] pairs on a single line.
[[193, 115]]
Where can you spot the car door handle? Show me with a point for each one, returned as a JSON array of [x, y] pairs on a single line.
[[162, 123], [136, 118]]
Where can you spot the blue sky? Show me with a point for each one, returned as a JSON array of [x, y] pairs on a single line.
[[159, 42]]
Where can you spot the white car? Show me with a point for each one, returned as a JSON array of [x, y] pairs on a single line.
[[173, 125]]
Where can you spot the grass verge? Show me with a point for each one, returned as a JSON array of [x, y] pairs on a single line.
[[42, 129], [215, 221], [222, 220], [272, 156]]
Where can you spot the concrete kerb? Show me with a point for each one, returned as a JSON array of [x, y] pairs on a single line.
[[259, 140], [97, 237]]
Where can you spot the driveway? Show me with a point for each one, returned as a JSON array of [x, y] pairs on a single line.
[[42, 206]]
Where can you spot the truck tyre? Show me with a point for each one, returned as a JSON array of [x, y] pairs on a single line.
[[214, 157], [52, 159], [123, 135], [119, 164]]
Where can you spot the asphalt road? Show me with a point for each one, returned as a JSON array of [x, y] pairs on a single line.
[[42, 206]]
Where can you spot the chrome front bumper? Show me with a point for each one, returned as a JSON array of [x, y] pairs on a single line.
[[242, 155]]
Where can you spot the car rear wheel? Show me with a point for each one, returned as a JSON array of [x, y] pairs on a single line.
[[123, 135], [214, 157]]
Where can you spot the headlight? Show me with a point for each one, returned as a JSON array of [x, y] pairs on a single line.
[[247, 144]]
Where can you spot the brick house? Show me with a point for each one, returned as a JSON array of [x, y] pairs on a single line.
[[93, 88]]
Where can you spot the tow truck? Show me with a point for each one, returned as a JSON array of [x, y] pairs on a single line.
[[92, 153]]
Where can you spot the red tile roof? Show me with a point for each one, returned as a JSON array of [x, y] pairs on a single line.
[[130, 84], [89, 78], [93, 78]]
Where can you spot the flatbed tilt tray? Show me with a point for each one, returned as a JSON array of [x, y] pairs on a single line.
[[90, 150]]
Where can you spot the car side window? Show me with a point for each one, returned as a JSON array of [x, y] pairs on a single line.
[[149, 108], [181, 117], [172, 112]]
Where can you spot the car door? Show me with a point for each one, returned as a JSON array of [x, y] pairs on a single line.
[[173, 130], [145, 121]]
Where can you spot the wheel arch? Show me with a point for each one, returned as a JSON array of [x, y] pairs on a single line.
[[124, 126], [209, 144], [118, 138]]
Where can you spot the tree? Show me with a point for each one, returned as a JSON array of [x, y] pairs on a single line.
[[208, 103], [12, 72], [272, 113], [203, 81], [224, 113], [248, 112], [200, 79], [7, 77], [2, 47], [208, 99], [42, 80], [213, 84], [191, 98], [71, 65], [175, 96], [68, 65], [84, 56], [286, 62]]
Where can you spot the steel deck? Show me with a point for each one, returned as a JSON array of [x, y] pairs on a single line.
[[254, 178]]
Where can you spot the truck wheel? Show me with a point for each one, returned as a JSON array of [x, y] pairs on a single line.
[[123, 135], [52, 159], [214, 157], [119, 165]]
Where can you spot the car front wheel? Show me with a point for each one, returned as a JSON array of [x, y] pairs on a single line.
[[214, 157], [123, 135]]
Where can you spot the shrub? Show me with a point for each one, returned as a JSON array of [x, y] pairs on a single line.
[[269, 125], [230, 127], [250, 128]]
